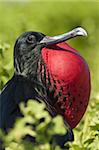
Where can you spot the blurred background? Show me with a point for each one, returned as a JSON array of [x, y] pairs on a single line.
[[53, 18]]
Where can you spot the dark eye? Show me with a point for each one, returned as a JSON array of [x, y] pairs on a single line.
[[31, 39]]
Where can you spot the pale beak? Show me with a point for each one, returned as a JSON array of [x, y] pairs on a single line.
[[48, 40]]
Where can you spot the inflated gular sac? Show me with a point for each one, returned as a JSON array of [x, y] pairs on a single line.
[[69, 79]]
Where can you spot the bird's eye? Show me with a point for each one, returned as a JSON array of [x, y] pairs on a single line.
[[31, 39]]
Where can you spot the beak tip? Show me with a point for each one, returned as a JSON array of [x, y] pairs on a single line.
[[81, 31]]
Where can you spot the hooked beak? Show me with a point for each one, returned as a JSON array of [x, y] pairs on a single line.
[[47, 40]]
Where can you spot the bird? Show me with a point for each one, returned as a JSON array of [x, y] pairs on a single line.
[[47, 69]]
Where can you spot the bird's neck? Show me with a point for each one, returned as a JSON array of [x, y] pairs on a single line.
[[37, 73], [28, 66]]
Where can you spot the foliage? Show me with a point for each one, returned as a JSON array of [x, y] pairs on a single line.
[[5, 64], [38, 124], [18, 17], [88, 137]]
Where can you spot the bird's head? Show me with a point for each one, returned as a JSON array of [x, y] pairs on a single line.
[[27, 51], [28, 47]]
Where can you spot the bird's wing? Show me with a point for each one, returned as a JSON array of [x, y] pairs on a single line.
[[7, 104], [16, 90]]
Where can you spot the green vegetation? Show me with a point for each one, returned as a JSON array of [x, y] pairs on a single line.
[[53, 18], [38, 124]]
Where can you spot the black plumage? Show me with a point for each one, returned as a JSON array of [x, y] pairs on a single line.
[[26, 82]]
